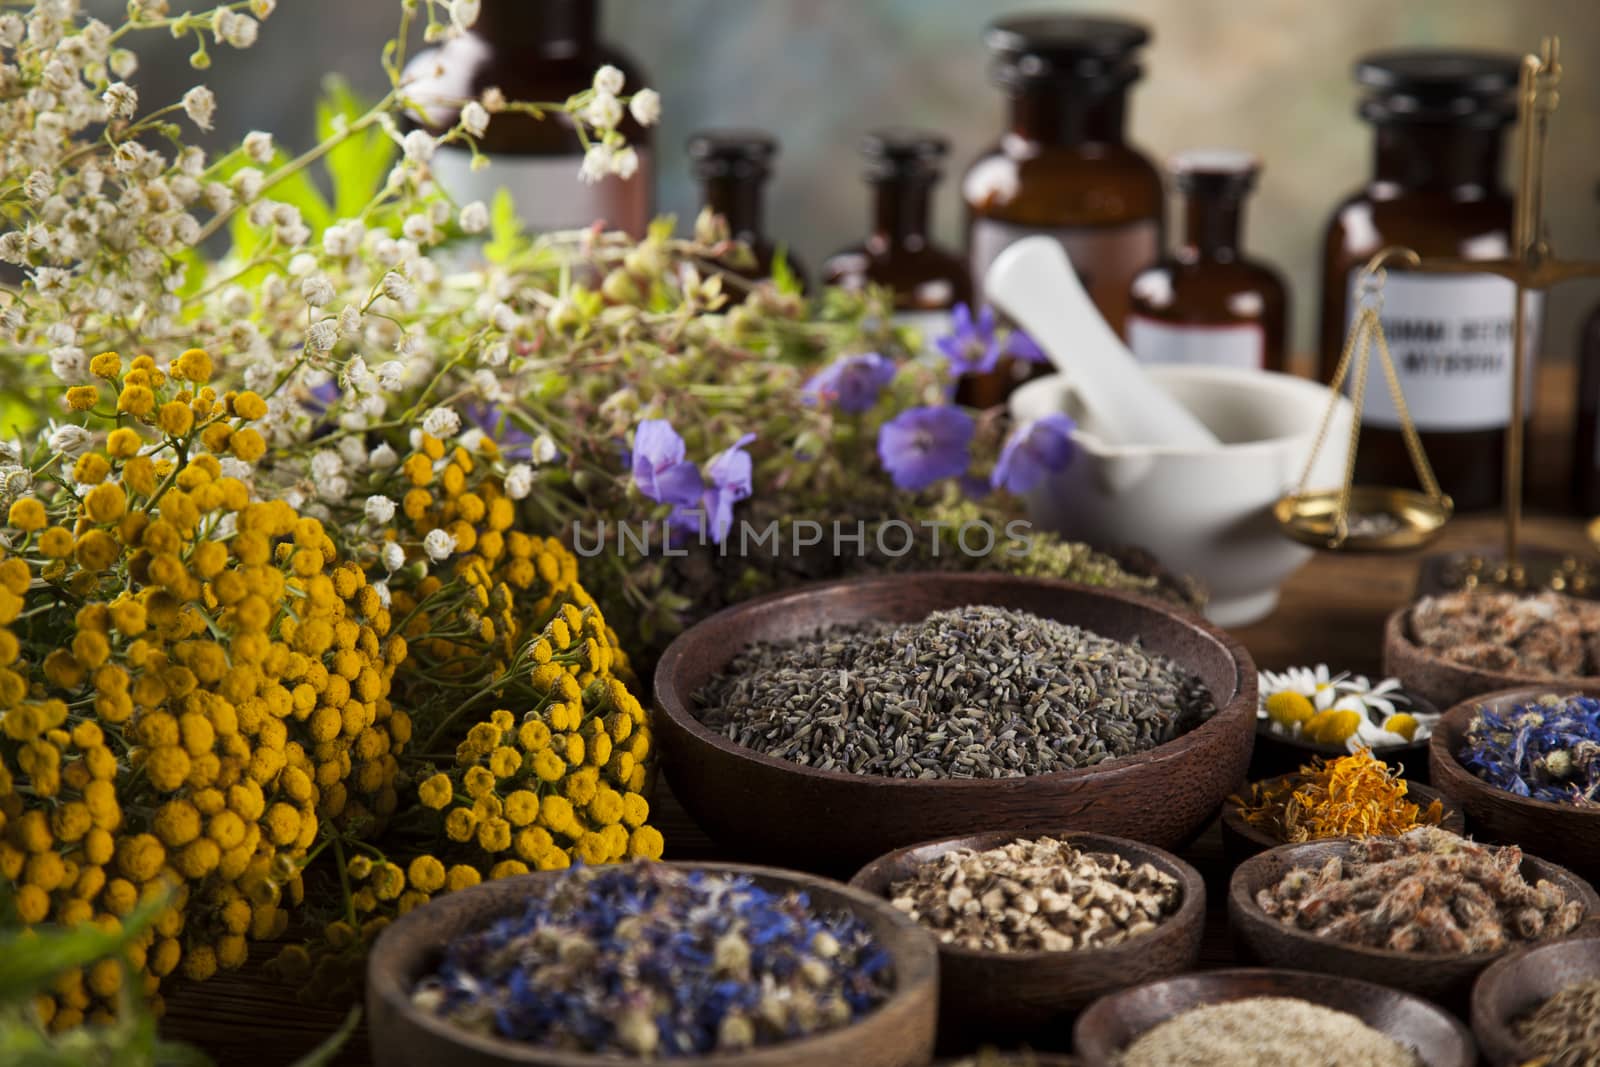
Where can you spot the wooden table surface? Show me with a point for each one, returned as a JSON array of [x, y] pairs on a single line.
[[1332, 611]]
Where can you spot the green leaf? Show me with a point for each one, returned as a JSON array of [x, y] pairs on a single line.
[[783, 276], [661, 228], [505, 228], [30, 959], [358, 167], [324, 1053]]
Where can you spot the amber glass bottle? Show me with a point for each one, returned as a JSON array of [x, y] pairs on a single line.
[[1439, 119], [544, 50], [1063, 166], [1586, 449], [1208, 302], [732, 167], [903, 166]]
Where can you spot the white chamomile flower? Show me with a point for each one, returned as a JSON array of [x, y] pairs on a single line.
[[394, 557], [379, 509], [438, 545]]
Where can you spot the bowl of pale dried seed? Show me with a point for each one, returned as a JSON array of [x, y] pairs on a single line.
[[1033, 927], [1542, 1005], [1253, 1016], [821, 727]]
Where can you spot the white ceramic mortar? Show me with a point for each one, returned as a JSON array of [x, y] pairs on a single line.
[[1205, 512]]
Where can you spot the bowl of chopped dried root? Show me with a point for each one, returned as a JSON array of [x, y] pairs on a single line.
[[1034, 926], [1425, 911]]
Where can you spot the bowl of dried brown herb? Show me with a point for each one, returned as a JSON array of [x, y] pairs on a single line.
[[687, 963], [1425, 911], [1542, 1005], [1524, 764], [822, 727], [1032, 926]]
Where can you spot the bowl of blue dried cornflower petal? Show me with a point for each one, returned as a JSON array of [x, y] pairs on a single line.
[[1524, 764], [699, 964]]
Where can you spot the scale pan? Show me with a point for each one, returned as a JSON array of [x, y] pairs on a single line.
[[1381, 519]]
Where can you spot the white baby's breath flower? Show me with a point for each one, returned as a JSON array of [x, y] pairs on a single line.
[[301, 264], [496, 354], [418, 146], [322, 336], [464, 13], [317, 290], [13, 247], [263, 8], [379, 509], [200, 104], [544, 449], [438, 545], [334, 489], [247, 183], [646, 107], [326, 463], [625, 164], [604, 111], [392, 375], [596, 163], [351, 449], [475, 118], [441, 422], [394, 557], [350, 322], [608, 79], [383, 457], [71, 440], [381, 587], [258, 146], [70, 364], [397, 288], [474, 217], [121, 100], [519, 481], [234, 28]]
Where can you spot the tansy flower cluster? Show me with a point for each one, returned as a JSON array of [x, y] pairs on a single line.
[[192, 684]]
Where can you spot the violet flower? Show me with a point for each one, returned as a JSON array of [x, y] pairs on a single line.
[[659, 468], [512, 439], [922, 445], [727, 481], [971, 346], [851, 383], [1034, 452], [1021, 346]]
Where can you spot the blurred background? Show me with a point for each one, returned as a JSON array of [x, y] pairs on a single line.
[[1269, 76]]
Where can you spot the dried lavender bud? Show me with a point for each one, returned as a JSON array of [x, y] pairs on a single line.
[[1566, 1027], [1265, 1032], [972, 692], [651, 961], [1036, 895], [1427, 890], [1548, 750]]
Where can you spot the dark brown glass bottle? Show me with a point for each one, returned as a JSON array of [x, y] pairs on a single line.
[[732, 167], [1208, 302], [536, 50], [1586, 448], [1439, 119], [903, 166], [1063, 166]]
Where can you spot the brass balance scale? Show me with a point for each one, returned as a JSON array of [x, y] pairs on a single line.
[[1363, 518]]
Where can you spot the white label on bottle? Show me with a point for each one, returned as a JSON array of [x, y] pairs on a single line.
[[932, 325], [1451, 339], [547, 191], [1105, 257], [1236, 345]]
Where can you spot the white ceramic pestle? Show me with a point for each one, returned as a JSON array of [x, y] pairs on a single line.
[[1033, 282]]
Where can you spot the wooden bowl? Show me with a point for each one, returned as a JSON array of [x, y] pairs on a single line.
[[1240, 840], [1011, 1059], [1444, 682], [1114, 1022], [1509, 989], [1562, 833], [833, 821], [1445, 978], [1276, 755], [899, 1033], [1024, 997]]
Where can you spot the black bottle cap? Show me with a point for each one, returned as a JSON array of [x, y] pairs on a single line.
[[732, 153], [1430, 85], [903, 153], [1053, 47], [1215, 172]]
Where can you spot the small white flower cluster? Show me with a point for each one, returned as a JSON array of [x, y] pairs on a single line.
[[604, 111]]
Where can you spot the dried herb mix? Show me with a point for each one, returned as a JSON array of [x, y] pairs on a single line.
[[1566, 1027], [1265, 1032], [1548, 750], [1427, 891], [1353, 796], [1545, 634], [972, 692], [1039, 894], [651, 961]]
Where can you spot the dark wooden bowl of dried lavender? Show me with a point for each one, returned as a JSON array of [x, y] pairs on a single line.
[[1511, 991], [1241, 840], [1445, 682], [835, 821], [1442, 976], [1028, 996], [1564, 833], [1111, 1025], [899, 1032]]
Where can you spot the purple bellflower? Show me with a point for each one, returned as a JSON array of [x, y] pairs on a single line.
[[920, 446], [727, 481], [659, 468], [1034, 452], [851, 383]]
